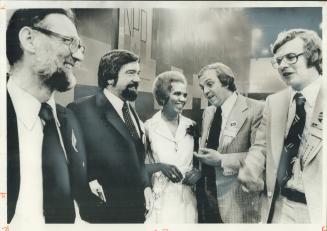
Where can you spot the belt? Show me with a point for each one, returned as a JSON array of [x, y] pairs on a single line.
[[293, 195]]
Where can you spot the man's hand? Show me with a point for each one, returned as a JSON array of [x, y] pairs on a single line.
[[209, 156], [191, 177], [172, 172], [249, 184], [149, 200]]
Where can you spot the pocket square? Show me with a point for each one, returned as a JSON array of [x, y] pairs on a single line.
[[74, 141]]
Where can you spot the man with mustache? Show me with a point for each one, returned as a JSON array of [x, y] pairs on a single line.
[[286, 159], [114, 137], [46, 161]]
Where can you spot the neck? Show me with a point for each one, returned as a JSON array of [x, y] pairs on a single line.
[[27, 80], [170, 115]]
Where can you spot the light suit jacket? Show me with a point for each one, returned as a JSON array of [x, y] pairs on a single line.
[[235, 206], [263, 159]]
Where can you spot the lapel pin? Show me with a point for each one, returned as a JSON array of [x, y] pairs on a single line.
[[233, 124]]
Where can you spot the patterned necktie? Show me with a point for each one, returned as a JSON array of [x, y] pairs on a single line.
[[55, 173], [292, 142], [128, 121], [212, 214]]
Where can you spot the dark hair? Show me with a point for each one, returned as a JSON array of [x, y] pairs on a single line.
[[162, 85], [312, 45], [111, 63], [27, 17], [224, 74]]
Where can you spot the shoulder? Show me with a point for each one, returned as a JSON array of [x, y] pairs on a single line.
[[82, 103], [253, 103], [187, 120], [153, 120]]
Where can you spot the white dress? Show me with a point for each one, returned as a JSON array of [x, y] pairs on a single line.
[[175, 203]]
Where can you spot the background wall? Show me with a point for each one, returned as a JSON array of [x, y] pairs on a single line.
[[185, 40]]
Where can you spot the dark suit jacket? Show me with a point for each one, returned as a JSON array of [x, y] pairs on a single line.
[[114, 159], [63, 210]]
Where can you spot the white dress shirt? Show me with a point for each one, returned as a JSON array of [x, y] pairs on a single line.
[[226, 109], [310, 93], [29, 208], [118, 104]]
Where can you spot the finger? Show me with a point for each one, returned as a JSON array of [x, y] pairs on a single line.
[[178, 173], [204, 150], [245, 189]]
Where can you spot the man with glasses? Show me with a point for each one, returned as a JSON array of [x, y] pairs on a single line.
[[286, 160], [46, 163]]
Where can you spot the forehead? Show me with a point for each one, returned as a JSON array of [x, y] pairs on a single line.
[[130, 66], [60, 24], [208, 75], [178, 86], [295, 45]]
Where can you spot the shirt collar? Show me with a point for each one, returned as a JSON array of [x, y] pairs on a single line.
[[310, 92], [116, 102], [26, 106], [227, 106], [52, 104]]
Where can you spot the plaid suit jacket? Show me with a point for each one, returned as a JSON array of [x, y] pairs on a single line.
[[235, 206]]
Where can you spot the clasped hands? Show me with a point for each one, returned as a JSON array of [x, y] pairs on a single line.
[[174, 175], [209, 156]]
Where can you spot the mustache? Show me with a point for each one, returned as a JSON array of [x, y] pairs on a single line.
[[136, 85]]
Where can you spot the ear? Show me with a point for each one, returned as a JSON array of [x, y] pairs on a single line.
[[110, 82], [26, 38]]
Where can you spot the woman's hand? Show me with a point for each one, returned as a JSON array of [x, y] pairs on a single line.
[[191, 177], [171, 171]]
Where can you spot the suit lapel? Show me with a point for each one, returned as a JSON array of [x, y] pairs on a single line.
[[314, 142], [278, 123], [234, 122], [111, 116], [13, 163]]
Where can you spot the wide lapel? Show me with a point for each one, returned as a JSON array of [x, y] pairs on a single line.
[[279, 110], [314, 142], [162, 128], [208, 115], [111, 116], [235, 121], [13, 161]]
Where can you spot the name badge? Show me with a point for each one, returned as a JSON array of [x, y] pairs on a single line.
[[231, 129]]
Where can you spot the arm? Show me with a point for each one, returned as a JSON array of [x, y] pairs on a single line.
[[251, 173], [232, 162]]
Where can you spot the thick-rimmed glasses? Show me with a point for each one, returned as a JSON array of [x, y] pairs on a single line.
[[73, 42], [289, 58]]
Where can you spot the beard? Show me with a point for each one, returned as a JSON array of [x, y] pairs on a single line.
[[58, 80], [128, 94]]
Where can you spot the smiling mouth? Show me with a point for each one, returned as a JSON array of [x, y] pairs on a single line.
[[287, 74], [68, 65]]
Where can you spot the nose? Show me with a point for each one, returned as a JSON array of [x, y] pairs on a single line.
[[78, 55], [205, 91], [136, 78], [283, 64]]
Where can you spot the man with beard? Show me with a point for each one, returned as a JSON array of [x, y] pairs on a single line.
[[46, 161], [114, 137]]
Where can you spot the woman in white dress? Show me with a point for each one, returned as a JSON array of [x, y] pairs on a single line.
[[171, 154]]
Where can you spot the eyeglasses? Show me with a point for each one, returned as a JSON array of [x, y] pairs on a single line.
[[73, 42], [290, 58]]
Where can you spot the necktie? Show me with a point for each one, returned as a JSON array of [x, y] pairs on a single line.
[[128, 121], [212, 211], [57, 201], [292, 142]]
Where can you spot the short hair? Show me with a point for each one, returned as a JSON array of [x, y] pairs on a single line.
[[111, 63], [312, 45], [162, 85], [223, 73], [27, 17]]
